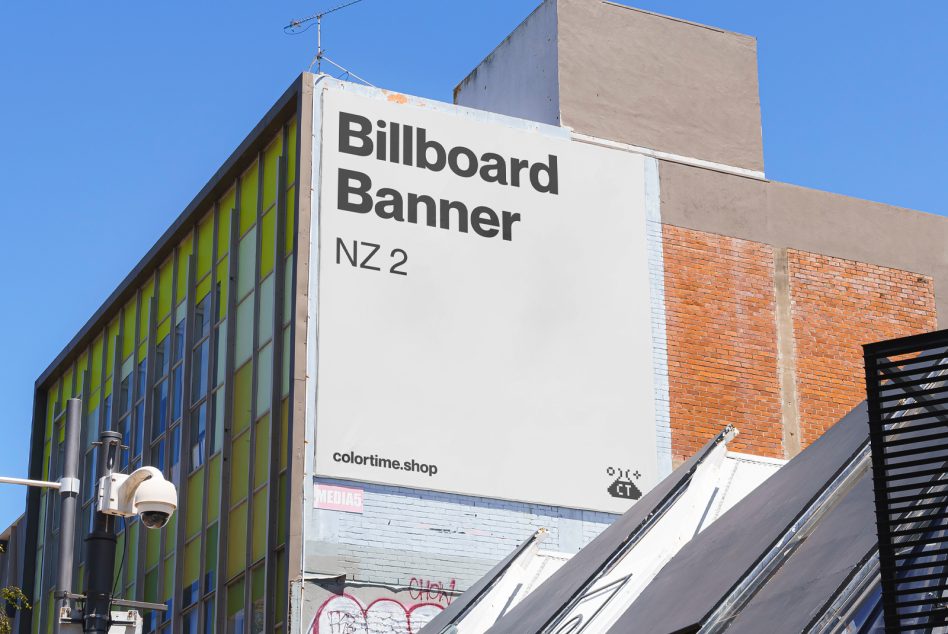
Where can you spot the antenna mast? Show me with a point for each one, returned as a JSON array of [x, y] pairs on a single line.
[[294, 28]]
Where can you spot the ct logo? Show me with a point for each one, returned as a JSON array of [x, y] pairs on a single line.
[[623, 486]]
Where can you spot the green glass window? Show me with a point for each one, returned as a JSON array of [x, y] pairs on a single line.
[[132, 562], [227, 205], [257, 585], [184, 253], [237, 540], [195, 501], [148, 291], [285, 362], [192, 561], [246, 263], [151, 586], [284, 432], [243, 384], [261, 452], [248, 198], [164, 288], [213, 488], [290, 220], [96, 379], [291, 133], [240, 467], [271, 158], [280, 586], [128, 328], [169, 578], [264, 379], [265, 322], [243, 345], [223, 277], [152, 547], [112, 337], [267, 243], [281, 510], [258, 547], [220, 345], [205, 245], [210, 557], [217, 421], [235, 607]]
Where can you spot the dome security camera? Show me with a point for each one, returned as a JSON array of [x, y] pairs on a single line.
[[155, 501], [155, 519], [145, 493]]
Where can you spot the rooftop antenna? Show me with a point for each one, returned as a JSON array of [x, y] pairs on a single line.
[[302, 25]]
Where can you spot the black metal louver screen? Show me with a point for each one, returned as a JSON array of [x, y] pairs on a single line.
[[907, 389]]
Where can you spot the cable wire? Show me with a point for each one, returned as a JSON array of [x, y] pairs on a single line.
[[118, 573]]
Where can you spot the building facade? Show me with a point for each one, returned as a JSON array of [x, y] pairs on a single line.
[[189, 359], [255, 348]]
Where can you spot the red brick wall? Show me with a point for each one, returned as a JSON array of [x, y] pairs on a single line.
[[722, 339], [722, 352], [838, 305]]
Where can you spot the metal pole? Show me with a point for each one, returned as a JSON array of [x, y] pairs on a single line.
[[100, 547], [319, 44], [43, 484], [69, 496]]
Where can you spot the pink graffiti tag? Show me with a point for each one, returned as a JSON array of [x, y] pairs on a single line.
[[345, 615]]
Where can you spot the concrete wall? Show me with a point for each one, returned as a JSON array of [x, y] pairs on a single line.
[[519, 78], [630, 76], [658, 82]]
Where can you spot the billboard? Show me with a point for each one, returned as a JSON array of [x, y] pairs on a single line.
[[483, 307]]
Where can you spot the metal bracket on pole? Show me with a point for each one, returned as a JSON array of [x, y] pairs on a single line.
[[69, 485]]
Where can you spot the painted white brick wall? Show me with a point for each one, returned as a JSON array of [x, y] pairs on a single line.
[[656, 274], [405, 533]]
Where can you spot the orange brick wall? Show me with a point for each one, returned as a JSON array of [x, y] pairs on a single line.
[[721, 332], [837, 306]]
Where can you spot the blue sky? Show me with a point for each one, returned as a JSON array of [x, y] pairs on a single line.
[[113, 115]]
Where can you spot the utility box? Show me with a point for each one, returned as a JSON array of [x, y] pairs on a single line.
[[123, 622]]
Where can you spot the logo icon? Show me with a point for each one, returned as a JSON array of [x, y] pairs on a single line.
[[623, 486]]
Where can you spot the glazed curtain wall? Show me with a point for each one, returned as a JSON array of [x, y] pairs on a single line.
[[194, 372]]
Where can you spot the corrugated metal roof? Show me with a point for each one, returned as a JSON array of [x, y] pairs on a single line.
[[696, 581], [798, 592]]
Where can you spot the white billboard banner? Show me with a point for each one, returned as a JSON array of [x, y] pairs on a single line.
[[483, 308]]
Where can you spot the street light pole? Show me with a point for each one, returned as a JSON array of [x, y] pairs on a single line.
[[100, 547], [69, 496]]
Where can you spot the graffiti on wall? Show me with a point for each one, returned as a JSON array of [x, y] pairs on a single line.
[[428, 590], [344, 614]]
